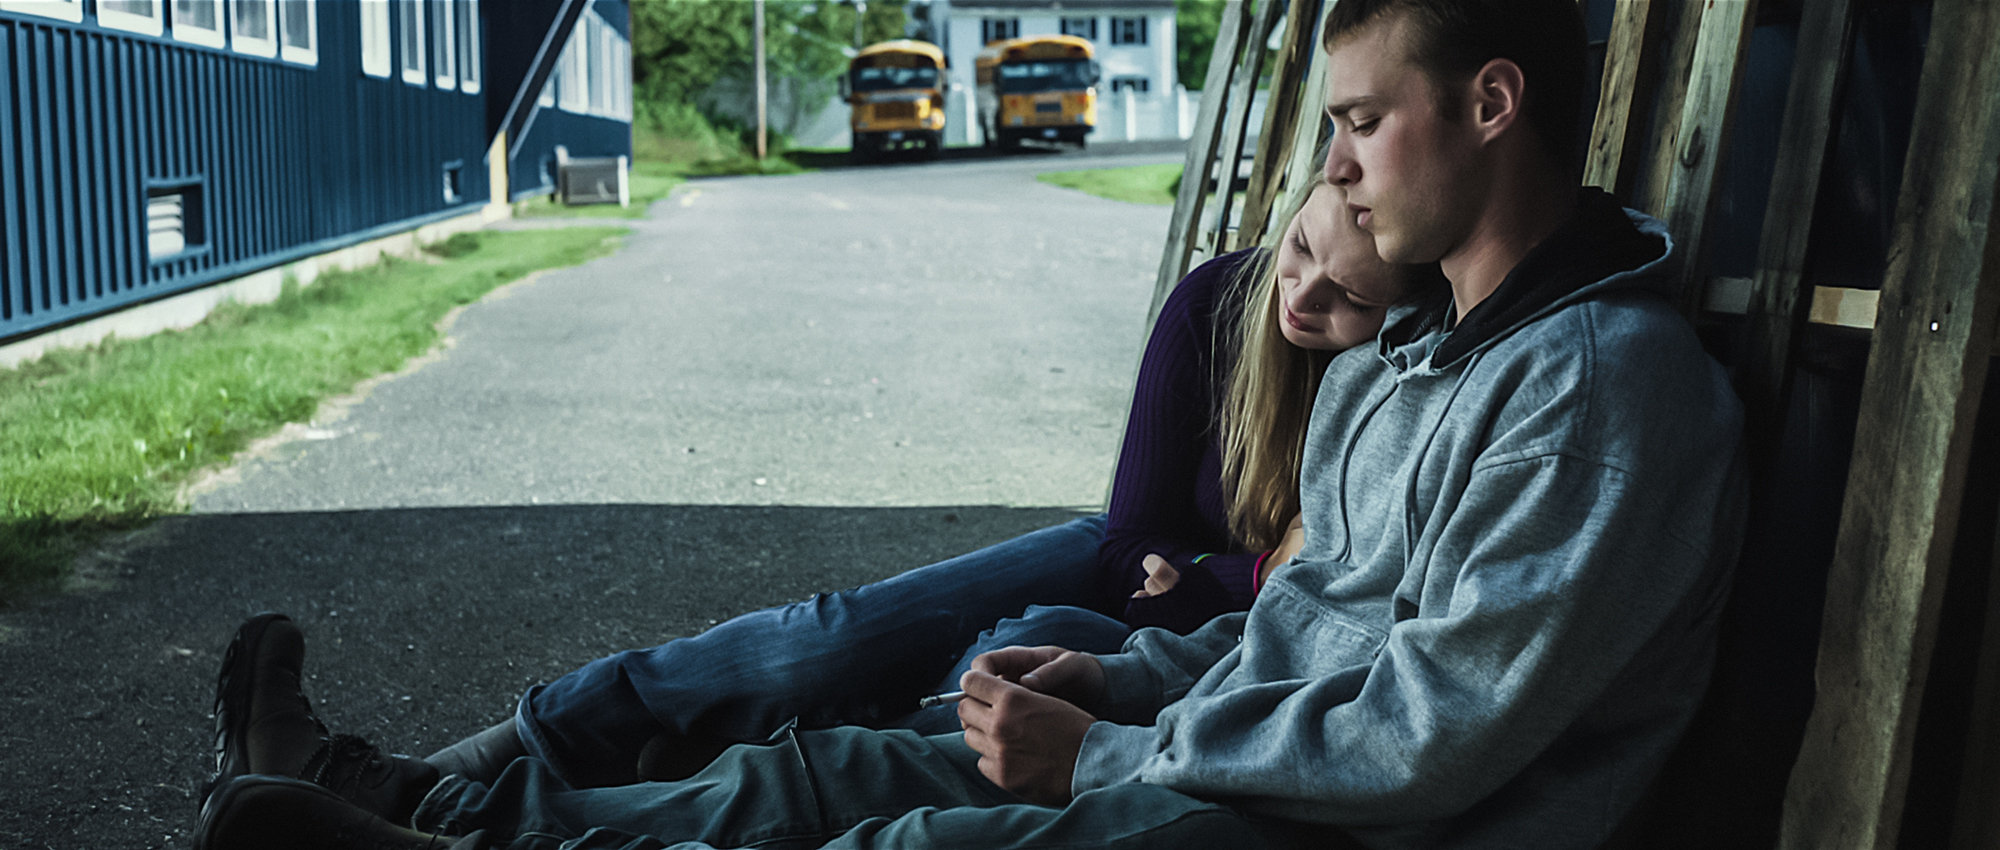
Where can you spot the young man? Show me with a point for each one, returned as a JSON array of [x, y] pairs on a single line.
[[1520, 507]]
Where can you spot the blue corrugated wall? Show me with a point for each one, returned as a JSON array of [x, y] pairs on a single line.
[[531, 158], [292, 160]]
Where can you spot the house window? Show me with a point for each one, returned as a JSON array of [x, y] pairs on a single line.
[[375, 37], [173, 220], [444, 45], [1080, 27], [998, 29], [1128, 30], [410, 19], [470, 63], [140, 16], [298, 31], [197, 22], [251, 27], [68, 10], [548, 95], [1140, 85], [575, 89]]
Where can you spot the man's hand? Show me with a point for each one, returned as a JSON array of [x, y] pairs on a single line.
[[1160, 577], [1074, 677], [1027, 741]]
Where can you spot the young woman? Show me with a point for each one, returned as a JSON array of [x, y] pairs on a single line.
[[1202, 505]]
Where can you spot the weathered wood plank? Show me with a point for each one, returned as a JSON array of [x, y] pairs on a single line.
[[1236, 124], [1281, 116], [1926, 369], [1195, 169], [1673, 87], [1693, 185], [1312, 124], [1776, 310], [1617, 134]]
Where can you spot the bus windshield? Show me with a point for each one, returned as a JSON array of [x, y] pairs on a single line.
[[1044, 75], [879, 78]]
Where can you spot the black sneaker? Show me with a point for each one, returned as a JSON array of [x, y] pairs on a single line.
[[265, 725], [264, 812]]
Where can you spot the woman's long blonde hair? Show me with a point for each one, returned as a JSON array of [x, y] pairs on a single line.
[[1268, 396]]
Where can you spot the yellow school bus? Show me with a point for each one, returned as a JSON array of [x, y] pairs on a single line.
[[896, 90], [1037, 87]]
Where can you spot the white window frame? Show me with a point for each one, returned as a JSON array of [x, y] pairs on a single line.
[[1070, 23], [472, 67], [1119, 33], [575, 94], [249, 45], [182, 31], [411, 14], [990, 28], [309, 54], [120, 19], [376, 50], [548, 96], [65, 10], [444, 45]]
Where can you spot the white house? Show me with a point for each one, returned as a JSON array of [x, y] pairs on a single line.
[[1134, 41]]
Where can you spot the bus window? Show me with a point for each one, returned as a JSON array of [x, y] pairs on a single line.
[[880, 78], [1045, 75]]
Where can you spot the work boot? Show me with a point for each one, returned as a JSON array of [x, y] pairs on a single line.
[[263, 812], [481, 757], [265, 725]]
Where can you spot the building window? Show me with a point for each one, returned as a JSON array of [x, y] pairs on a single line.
[[548, 95], [575, 89], [998, 29], [470, 63], [1080, 27], [1128, 30], [298, 31], [140, 16], [68, 10], [444, 45], [375, 37], [197, 22], [251, 24], [1140, 85], [410, 19]]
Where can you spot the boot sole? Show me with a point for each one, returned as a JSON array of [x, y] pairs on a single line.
[[233, 687]]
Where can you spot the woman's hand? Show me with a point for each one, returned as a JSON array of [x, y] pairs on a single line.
[[1160, 577], [1288, 548]]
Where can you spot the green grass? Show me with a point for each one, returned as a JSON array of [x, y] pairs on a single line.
[[651, 181], [1138, 184], [662, 165], [99, 439]]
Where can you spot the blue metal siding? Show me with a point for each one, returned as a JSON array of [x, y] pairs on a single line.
[[290, 160], [531, 158]]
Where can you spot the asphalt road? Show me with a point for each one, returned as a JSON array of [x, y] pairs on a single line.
[[777, 386]]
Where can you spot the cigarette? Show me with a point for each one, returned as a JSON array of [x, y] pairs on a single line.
[[940, 699]]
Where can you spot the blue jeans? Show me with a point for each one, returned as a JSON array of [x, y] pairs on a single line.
[[861, 656], [847, 787]]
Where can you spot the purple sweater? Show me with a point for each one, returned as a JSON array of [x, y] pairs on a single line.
[[1167, 499]]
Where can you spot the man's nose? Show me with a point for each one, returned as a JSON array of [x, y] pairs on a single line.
[[1340, 169]]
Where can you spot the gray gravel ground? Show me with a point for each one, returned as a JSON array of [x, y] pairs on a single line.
[[873, 369]]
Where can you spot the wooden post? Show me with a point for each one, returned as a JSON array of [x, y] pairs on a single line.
[[1673, 80], [1926, 370], [1778, 306], [1195, 180], [1616, 138], [1281, 117], [1700, 146], [1235, 124], [757, 35]]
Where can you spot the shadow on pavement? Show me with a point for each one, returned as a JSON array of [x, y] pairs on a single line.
[[422, 625]]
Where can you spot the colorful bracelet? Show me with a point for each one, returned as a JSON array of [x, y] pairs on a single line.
[[1197, 558], [1257, 572]]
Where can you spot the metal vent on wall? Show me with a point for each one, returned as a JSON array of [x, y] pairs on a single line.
[[593, 180], [173, 220]]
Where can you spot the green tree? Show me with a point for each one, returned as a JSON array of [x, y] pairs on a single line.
[[1195, 24], [681, 48]]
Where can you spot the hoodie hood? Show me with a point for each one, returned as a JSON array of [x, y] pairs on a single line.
[[1604, 248]]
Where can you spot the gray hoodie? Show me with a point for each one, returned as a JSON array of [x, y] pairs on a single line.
[[1518, 537]]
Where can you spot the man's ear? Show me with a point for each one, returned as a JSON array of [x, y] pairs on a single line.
[[1497, 92]]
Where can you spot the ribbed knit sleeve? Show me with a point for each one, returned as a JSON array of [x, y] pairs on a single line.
[[1167, 498]]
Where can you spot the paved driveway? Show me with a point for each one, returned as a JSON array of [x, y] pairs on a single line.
[[781, 385]]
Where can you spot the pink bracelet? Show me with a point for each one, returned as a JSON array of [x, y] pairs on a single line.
[[1257, 572]]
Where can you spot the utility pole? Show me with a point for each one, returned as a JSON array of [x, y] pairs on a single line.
[[757, 28], [860, 11]]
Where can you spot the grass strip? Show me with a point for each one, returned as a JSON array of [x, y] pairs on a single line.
[[651, 181], [1137, 184], [98, 439]]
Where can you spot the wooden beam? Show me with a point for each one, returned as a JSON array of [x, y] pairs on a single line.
[[1281, 117], [1312, 125], [1804, 141], [1673, 89], [1926, 370], [1196, 168], [1236, 123], [1694, 183], [1617, 135]]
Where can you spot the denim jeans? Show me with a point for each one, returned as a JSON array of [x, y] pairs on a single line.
[[847, 787], [861, 656]]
